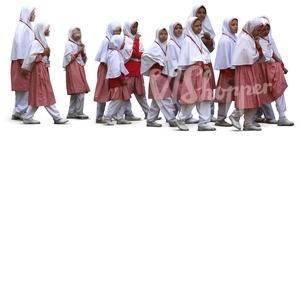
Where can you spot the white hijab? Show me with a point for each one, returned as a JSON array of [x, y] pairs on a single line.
[[71, 48], [114, 60], [265, 19], [102, 51], [206, 24], [24, 34], [175, 44], [245, 52], [193, 50], [157, 52], [37, 46], [129, 39], [225, 47]]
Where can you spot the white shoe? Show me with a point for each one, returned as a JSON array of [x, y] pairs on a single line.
[[61, 121], [285, 122], [192, 121], [251, 128], [109, 122], [182, 127], [206, 128], [235, 122], [31, 121]]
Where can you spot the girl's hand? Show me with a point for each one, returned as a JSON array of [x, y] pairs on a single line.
[[80, 48], [137, 35], [230, 80], [206, 70], [46, 51], [207, 35]]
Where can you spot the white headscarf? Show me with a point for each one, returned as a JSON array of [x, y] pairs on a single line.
[[175, 44], [172, 36], [225, 47], [157, 52], [245, 52], [129, 39], [71, 48], [24, 34], [37, 46], [102, 51], [193, 50], [115, 61], [265, 19], [206, 24]]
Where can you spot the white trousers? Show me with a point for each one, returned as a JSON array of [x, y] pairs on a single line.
[[21, 103], [165, 106], [76, 104], [52, 110], [115, 108], [203, 109], [223, 108], [249, 115]]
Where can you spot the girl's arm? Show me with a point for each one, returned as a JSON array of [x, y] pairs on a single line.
[[277, 59], [136, 47]]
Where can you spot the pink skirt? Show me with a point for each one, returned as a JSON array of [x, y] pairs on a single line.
[[76, 79], [159, 86], [258, 84], [119, 93], [196, 86], [19, 81], [136, 84], [224, 91], [102, 87], [176, 86]]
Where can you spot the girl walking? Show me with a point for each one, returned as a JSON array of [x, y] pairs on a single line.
[[40, 87], [73, 62]]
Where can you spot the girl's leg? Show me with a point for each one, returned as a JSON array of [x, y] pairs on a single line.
[[185, 112], [21, 104], [142, 100], [54, 113], [128, 112], [112, 110], [72, 107], [100, 111], [249, 116], [28, 117], [153, 112], [204, 111], [223, 108], [80, 106], [281, 108]]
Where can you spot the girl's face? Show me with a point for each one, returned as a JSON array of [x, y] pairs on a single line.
[[76, 34], [47, 32], [134, 28], [256, 31], [32, 16], [265, 30], [197, 27], [234, 26], [163, 36], [201, 13], [178, 30], [117, 31]]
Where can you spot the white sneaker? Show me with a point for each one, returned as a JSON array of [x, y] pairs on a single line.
[[61, 121]]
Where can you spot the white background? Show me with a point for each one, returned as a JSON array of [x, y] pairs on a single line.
[[89, 211]]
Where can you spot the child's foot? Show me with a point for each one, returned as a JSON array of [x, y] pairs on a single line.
[[81, 116]]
